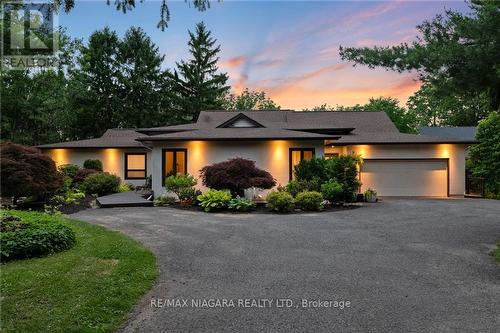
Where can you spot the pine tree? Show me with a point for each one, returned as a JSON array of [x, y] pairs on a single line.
[[196, 84]]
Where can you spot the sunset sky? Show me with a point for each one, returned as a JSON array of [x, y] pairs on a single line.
[[288, 49]]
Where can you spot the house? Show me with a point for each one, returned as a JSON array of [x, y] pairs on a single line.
[[395, 164]]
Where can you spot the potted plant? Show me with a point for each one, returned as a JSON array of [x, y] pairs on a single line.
[[371, 195]]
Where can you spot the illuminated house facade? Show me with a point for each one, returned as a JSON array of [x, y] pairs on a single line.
[[395, 164]]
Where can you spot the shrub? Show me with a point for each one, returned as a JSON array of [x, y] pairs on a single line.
[[101, 183], [332, 191], [68, 170], [164, 200], [175, 183], [93, 164], [280, 201], [309, 200], [241, 204], [81, 174], [28, 234], [343, 169], [125, 187], [188, 195], [214, 200], [312, 169], [236, 175], [294, 187], [25, 171], [70, 197]]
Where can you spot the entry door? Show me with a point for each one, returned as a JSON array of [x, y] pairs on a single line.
[[413, 178]]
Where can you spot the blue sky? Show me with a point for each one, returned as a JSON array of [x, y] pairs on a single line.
[[289, 49]]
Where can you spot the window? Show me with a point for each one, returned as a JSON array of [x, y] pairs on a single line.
[[331, 155], [297, 155], [135, 165], [174, 162]]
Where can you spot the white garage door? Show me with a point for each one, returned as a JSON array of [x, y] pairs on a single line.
[[406, 177]]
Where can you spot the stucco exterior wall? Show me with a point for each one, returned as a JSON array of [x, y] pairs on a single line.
[[113, 159], [272, 156], [454, 152]]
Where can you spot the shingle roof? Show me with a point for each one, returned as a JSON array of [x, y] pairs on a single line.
[[392, 138], [236, 134], [463, 132], [369, 128], [112, 138]]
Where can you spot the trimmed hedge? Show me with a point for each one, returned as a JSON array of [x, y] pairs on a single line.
[[93, 164], [101, 183], [309, 200], [31, 234], [280, 201]]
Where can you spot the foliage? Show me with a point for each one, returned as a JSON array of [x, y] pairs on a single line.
[[188, 195], [92, 164], [34, 109], [343, 169], [309, 200], [332, 191], [125, 187], [119, 83], [164, 200], [430, 106], [236, 175], [25, 171], [370, 195], [68, 170], [314, 169], [91, 287], [70, 197], [249, 100], [196, 83], [401, 117], [280, 201], [214, 200], [36, 234], [294, 187], [100, 183], [456, 53], [81, 174], [241, 204], [127, 5], [175, 183], [484, 157]]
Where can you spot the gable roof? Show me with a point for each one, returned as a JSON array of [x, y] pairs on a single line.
[[462, 132], [237, 118]]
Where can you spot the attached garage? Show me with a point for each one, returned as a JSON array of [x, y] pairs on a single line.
[[406, 177]]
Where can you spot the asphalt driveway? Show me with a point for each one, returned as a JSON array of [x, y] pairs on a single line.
[[403, 266]]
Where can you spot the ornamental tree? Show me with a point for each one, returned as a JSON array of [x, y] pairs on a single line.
[[236, 175], [25, 171]]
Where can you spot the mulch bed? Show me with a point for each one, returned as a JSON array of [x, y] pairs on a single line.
[[262, 209]]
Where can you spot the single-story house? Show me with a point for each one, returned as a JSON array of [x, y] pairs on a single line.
[[395, 164]]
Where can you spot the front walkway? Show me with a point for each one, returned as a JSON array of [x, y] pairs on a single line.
[[404, 265], [124, 199]]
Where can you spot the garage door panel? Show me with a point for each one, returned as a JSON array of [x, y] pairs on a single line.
[[406, 177]]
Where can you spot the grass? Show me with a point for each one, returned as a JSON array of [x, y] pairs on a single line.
[[90, 288], [496, 252]]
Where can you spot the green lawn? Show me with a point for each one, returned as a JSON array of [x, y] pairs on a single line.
[[496, 252], [89, 288]]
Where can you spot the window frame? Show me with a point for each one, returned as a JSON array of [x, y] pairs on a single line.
[[145, 166], [302, 150], [174, 151]]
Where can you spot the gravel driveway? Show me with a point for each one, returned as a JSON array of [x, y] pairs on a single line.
[[403, 266]]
